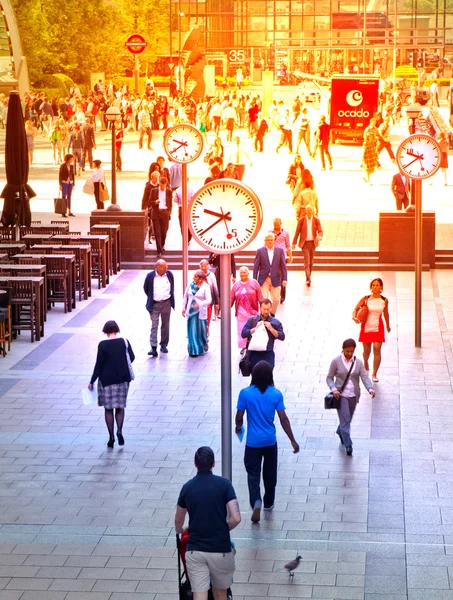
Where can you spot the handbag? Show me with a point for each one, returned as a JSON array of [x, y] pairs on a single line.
[[103, 193], [128, 360], [60, 205], [259, 340], [88, 188], [245, 366], [330, 401], [362, 313]]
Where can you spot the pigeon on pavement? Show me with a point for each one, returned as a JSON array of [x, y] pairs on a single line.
[[292, 565]]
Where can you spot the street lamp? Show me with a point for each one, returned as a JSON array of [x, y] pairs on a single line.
[[113, 116], [413, 112], [180, 71]]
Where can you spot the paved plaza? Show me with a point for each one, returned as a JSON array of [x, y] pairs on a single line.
[[81, 522]]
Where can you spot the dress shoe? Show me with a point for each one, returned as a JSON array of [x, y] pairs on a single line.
[[349, 450], [111, 443], [120, 438], [164, 349], [256, 514], [71, 214], [308, 282], [153, 352]]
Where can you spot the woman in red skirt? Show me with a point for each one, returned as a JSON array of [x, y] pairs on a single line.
[[372, 331]]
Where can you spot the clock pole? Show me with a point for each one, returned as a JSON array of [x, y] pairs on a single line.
[[185, 230], [225, 366], [417, 196]]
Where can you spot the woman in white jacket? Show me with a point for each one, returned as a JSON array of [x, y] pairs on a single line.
[[196, 300]]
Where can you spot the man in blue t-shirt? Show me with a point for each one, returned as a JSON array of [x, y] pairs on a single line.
[[261, 400], [213, 511]]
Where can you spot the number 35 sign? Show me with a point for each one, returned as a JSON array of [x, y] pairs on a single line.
[[236, 56]]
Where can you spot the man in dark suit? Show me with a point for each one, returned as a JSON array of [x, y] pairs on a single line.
[[269, 269], [89, 142], [401, 190], [161, 205], [159, 287], [308, 234]]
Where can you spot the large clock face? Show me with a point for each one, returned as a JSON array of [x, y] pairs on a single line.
[[225, 216], [183, 143], [418, 156]]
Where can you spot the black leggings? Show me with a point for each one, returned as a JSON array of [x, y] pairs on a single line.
[[109, 421]]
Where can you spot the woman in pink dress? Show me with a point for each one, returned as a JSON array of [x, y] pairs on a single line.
[[245, 296]]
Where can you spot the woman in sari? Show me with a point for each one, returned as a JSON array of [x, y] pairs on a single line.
[[245, 296], [196, 300]]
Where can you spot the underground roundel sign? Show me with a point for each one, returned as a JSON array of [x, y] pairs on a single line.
[[136, 43]]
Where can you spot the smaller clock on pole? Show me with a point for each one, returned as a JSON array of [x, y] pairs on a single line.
[[225, 215], [183, 143], [419, 156]]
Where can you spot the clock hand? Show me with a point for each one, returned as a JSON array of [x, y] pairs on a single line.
[[409, 153], [179, 142], [215, 214], [211, 226], [409, 164], [177, 148], [229, 236]]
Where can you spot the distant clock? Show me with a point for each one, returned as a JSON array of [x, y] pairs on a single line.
[[419, 156], [225, 215], [183, 143]]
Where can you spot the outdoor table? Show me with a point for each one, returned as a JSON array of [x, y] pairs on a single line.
[[43, 248], [38, 285], [104, 241], [16, 270], [11, 249], [84, 266], [71, 267], [115, 242], [35, 238], [65, 238], [52, 229]]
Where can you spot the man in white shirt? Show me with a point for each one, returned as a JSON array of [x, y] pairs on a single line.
[[238, 157], [269, 270], [216, 115], [159, 287], [230, 118]]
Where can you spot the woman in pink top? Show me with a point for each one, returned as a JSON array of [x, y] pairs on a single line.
[[372, 331], [245, 296]]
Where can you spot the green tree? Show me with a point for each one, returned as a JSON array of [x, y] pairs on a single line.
[[80, 37]]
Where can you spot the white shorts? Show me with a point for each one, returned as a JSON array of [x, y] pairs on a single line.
[[206, 567]]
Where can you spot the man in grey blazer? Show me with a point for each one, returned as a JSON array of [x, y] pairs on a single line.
[[269, 269], [349, 396]]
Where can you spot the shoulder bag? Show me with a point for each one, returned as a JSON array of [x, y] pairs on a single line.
[[330, 401], [362, 313], [88, 188], [103, 193], [245, 366], [128, 360], [60, 205]]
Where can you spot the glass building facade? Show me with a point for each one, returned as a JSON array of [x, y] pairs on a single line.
[[316, 36]]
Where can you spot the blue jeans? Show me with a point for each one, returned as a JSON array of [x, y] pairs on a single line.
[[66, 192]]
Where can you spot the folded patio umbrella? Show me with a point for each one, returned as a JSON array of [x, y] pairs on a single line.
[[17, 192]]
